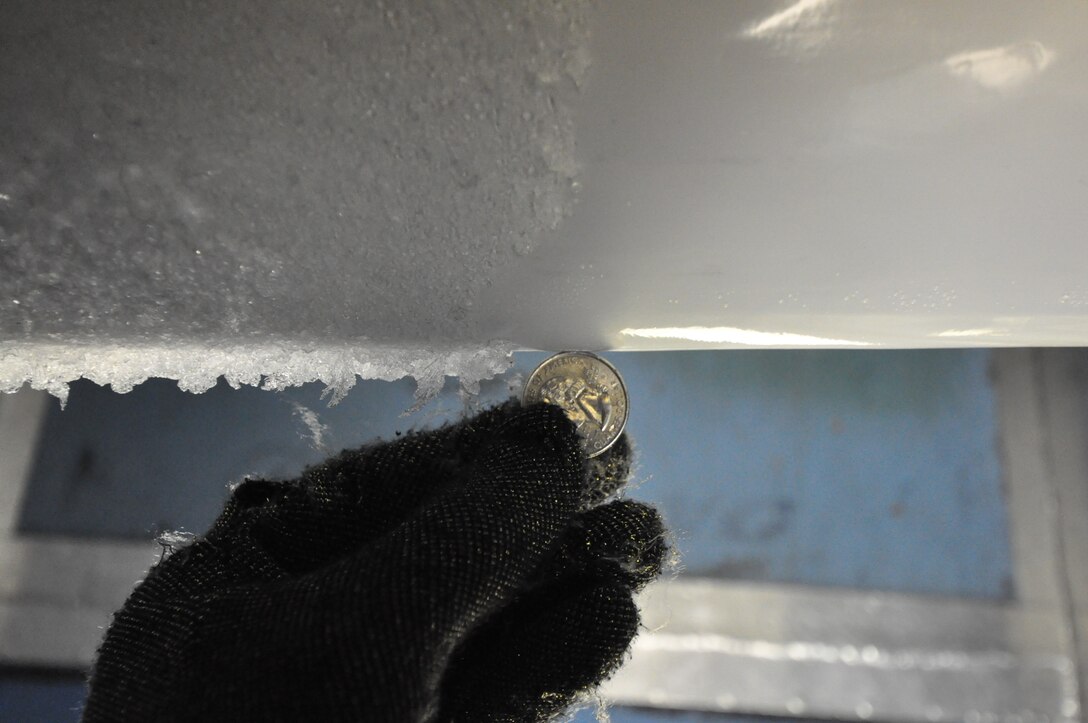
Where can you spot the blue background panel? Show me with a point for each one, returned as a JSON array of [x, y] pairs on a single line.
[[859, 469], [865, 469]]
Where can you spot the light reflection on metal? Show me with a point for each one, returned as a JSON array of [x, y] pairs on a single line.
[[733, 335], [782, 650], [955, 333], [1002, 68], [871, 656], [803, 26]]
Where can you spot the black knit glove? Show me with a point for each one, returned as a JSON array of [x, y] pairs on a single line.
[[467, 574]]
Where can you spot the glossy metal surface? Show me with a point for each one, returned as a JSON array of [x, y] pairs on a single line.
[[821, 172], [660, 174], [839, 655]]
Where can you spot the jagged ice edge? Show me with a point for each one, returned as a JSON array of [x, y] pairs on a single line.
[[273, 365]]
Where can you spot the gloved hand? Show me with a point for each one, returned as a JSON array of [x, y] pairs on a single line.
[[466, 574]]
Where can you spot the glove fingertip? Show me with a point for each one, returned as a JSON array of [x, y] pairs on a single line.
[[537, 656], [624, 541], [608, 472], [255, 492], [544, 427]]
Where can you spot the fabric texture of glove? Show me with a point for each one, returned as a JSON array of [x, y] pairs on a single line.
[[473, 573]]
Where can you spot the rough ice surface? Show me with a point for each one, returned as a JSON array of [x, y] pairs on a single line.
[[198, 188], [272, 364]]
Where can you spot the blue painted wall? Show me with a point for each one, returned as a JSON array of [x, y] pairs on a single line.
[[861, 469]]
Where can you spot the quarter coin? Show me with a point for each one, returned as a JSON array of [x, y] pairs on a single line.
[[589, 390]]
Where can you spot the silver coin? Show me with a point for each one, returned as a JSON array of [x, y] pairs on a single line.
[[589, 390]]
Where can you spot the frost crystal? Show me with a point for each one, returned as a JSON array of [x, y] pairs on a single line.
[[290, 178], [51, 365]]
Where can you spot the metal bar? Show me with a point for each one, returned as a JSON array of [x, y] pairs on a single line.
[[21, 417], [1030, 502], [779, 650], [1063, 379], [57, 596]]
